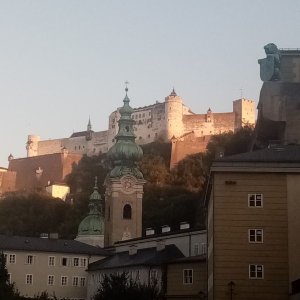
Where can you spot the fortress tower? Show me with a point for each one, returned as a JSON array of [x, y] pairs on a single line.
[[124, 184], [244, 110], [173, 115], [32, 145]]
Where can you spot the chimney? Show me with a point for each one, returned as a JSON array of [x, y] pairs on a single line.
[[160, 245], [165, 228], [184, 225], [53, 236], [132, 249], [150, 231], [44, 235]]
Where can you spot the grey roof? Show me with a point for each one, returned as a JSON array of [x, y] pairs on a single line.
[[48, 245], [146, 257], [286, 154], [160, 234], [192, 259], [80, 133]]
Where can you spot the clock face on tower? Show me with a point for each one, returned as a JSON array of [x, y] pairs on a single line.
[[127, 184]]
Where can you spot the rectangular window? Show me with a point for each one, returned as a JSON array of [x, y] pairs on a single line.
[[12, 258], [64, 261], [75, 281], [82, 281], [75, 261], [203, 248], [188, 276], [64, 280], [83, 262], [50, 280], [255, 200], [256, 271], [29, 260], [51, 261], [255, 235], [9, 278], [5, 258], [29, 278]]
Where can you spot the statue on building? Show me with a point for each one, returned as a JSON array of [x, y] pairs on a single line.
[[278, 119], [270, 66]]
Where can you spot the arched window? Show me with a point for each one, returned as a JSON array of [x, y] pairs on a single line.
[[127, 212]]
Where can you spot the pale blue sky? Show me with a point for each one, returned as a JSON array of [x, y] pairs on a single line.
[[61, 61]]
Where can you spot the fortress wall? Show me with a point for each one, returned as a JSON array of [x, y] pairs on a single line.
[[98, 144], [8, 183], [50, 146], [198, 124], [187, 146], [224, 122]]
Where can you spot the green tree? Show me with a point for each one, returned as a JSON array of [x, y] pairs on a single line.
[[229, 143], [190, 173], [6, 288], [115, 287]]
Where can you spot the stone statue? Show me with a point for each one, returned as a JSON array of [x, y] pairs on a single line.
[[270, 66]]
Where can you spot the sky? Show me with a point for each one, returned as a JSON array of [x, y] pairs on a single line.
[[62, 61]]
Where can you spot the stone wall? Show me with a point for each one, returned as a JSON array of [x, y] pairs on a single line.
[[159, 121]]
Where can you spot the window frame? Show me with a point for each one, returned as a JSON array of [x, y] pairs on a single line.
[[188, 278], [12, 261], [256, 201], [82, 282], [53, 280], [49, 259], [61, 280], [75, 259], [77, 281], [256, 271], [29, 279], [256, 236], [31, 260]]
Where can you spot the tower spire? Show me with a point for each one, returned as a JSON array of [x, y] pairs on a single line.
[[125, 153]]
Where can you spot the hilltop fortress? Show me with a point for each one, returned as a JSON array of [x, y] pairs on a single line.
[[163, 121]]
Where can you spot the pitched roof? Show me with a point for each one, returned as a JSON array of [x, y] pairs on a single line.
[[48, 245], [80, 133], [147, 256], [287, 154]]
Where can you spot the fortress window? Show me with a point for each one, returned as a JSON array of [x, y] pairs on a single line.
[[140, 138], [127, 128], [75, 148], [127, 212], [79, 147], [148, 136], [143, 115]]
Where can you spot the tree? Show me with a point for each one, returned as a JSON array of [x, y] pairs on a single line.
[[190, 173], [6, 288], [115, 287], [229, 143]]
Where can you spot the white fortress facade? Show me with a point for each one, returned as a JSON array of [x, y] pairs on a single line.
[[160, 121]]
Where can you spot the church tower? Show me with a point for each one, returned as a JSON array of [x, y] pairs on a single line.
[[124, 184], [91, 228]]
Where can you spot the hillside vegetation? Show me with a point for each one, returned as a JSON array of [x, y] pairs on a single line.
[[170, 197]]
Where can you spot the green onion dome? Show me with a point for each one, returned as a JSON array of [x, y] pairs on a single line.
[[125, 153], [93, 223]]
